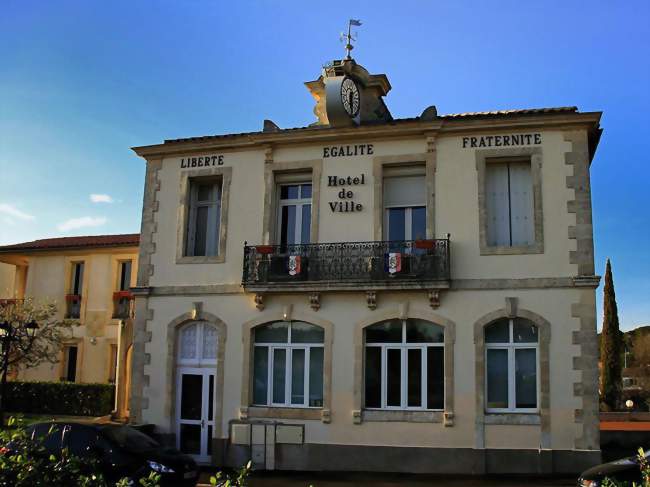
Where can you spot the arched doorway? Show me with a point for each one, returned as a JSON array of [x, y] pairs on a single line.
[[196, 368]]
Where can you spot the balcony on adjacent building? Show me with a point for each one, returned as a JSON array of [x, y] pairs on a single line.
[[340, 266]]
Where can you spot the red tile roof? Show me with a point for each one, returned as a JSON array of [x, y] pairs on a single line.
[[62, 243]]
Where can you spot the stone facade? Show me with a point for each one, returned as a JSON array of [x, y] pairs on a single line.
[[550, 283]]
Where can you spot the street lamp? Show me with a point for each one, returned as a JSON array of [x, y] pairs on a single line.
[[32, 328]]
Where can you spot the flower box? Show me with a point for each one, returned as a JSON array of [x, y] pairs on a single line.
[[122, 295], [264, 249], [73, 298], [425, 244]]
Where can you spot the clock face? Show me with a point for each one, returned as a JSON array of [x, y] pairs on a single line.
[[350, 97]]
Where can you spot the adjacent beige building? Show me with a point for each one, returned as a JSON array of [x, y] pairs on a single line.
[[89, 278], [369, 293]]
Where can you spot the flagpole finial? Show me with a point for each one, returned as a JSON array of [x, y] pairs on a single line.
[[349, 37]]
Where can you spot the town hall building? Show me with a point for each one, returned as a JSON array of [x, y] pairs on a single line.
[[370, 293]]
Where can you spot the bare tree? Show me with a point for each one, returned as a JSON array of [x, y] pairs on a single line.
[[30, 334]]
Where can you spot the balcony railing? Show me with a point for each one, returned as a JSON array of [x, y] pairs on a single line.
[[123, 304], [409, 263]]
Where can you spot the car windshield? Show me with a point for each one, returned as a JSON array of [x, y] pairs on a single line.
[[129, 438]]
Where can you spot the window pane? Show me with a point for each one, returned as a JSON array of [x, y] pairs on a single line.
[[316, 377], [288, 228], [418, 223], [209, 346], [373, 377], [204, 192], [435, 377], [524, 331], [306, 191], [276, 332], [279, 369], [298, 376], [190, 439], [302, 332], [497, 378], [210, 398], [385, 332], [201, 230], [188, 342], [260, 375], [526, 377], [498, 332], [420, 331], [306, 224], [394, 377], [414, 377], [289, 192], [396, 224], [191, 396]]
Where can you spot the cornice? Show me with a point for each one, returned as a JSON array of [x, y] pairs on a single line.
[[398, 129]]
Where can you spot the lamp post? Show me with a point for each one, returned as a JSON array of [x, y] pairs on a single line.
[[9, 334]]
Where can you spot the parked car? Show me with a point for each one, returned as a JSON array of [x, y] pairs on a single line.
[[122, 451], [623, 470]]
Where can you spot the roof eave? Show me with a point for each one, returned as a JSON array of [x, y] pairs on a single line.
[[590, 120]]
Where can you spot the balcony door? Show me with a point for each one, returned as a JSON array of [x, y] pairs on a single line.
[[404, 208], [294, 214]]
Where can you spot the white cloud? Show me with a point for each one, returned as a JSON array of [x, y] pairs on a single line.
[[84, 221], [101, 198], [11, 211]]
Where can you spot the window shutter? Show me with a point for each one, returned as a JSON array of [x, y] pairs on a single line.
[[496, 196], [404, 191], [521, 204]]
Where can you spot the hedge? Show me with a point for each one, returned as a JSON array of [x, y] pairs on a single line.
[[68, 398]]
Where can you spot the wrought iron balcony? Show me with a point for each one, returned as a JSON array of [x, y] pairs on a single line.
[[411, 264]]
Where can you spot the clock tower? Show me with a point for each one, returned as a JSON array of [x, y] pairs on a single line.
[[347, 94]]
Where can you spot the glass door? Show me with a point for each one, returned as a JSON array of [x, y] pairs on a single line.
[[195, 412]]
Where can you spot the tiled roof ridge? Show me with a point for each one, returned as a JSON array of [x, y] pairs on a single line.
[[491, 113], [120, 239]]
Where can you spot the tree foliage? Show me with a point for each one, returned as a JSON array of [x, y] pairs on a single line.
[[45, 346], [611, 345]]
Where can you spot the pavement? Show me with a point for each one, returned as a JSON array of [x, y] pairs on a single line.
[[320, 479]]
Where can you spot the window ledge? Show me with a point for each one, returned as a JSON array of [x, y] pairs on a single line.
[[216, 259], [512, 418], [372, 415], [517, 250], [284, 413]]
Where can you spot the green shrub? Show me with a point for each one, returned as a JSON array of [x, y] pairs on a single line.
[[60, 398]]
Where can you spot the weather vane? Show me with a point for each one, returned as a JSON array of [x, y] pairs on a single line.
[[349, 38]]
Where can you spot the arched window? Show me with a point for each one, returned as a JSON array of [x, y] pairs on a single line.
[[288, 364], [404, 365], [197, 344], [512, 366]]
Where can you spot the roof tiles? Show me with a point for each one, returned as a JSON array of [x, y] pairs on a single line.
[[61, 243]]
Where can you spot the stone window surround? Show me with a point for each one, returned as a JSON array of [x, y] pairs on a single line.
[[543, 417], [248, 411], [501, 155], [278, 172], [404, 160], [169, 406], [183, 214], [359, 414], [68, 261]]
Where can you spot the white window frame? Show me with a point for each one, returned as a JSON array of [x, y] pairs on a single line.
[[404, 346], [288, 347], [511, 346], [408, 220], [299, 203], [198, 361], [214, 216]]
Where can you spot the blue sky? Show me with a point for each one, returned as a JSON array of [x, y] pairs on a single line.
[[83, 81]]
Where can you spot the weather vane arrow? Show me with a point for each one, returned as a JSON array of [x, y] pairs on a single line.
[[349, 38]]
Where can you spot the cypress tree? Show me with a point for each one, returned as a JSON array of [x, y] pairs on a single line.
[[611, 345]]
